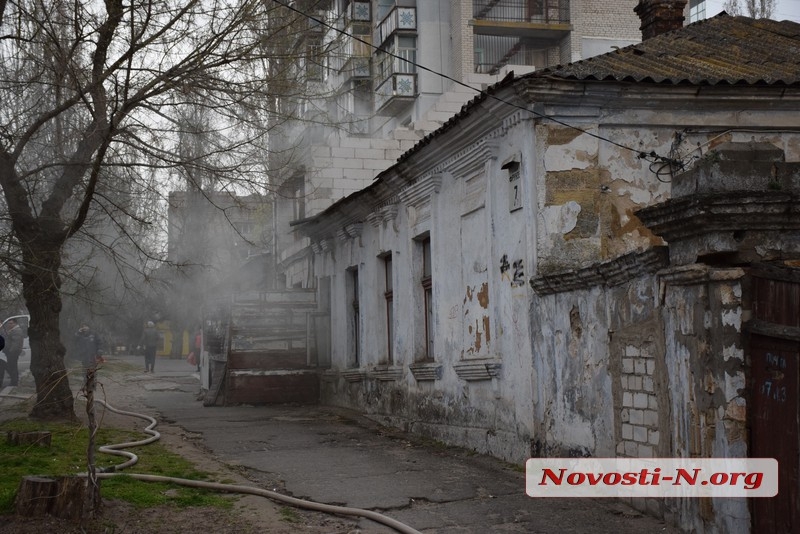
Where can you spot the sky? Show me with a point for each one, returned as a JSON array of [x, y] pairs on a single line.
[[784, 9]]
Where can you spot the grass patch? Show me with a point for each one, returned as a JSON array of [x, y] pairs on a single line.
[[289, 515], [67, 456]]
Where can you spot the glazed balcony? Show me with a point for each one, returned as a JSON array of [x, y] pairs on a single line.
[[399, 20], [359, 11], [357, 54], [397, 92]]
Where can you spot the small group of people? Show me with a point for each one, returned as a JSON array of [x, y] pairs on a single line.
[[11, 345], [88, 346]]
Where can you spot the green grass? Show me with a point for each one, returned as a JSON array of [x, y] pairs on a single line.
[[67, 456], [289, 515]]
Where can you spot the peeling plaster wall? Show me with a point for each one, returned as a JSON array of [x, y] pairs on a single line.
[[476, 390], [589, 189], [579, 342], [650, 368], [572, 404], [702, 312], [645, 367]]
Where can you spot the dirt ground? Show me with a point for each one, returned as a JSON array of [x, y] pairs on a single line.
[[250, 514]]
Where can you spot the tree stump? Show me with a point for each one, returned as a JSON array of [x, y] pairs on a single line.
[[35, 496], [42, 438], [71, 500], [63, 497]]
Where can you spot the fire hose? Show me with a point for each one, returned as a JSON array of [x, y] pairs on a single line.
[[118, 450]]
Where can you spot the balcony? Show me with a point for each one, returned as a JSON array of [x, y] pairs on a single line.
[[493, 52], [396, 93], [357, 54], [359, 11], [399, 19], [315, 22], [540, 22]]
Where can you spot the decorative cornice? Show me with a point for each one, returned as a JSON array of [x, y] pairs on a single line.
[[683, 218], [326, 245], [342, 234], [510, 122], [354, 230], [390, 211], [472, 370], [420, 191], [699, 274], [609, 273], [436, 180], [375, 218], [316, 247], [470, 159]]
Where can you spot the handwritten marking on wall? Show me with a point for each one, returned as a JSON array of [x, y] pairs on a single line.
[[771, 387], [517, 278], [519, 274]]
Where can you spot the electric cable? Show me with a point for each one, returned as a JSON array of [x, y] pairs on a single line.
[[115, 449]]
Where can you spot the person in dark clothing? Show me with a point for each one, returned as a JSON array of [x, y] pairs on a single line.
[[2, 361], [198, 346], [13, 349], [150, 341], [88, 347]]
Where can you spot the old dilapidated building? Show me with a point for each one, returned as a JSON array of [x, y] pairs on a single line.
[[590, 260]]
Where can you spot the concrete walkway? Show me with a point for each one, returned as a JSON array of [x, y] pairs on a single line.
[[337, 457]]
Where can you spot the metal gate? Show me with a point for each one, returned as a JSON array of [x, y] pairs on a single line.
[[774, 348]]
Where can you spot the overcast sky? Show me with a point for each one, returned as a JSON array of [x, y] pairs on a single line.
[[784, 9]]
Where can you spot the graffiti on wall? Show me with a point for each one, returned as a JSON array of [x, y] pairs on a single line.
[[514, 272]]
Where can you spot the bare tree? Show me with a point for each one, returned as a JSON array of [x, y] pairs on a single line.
[[758, 9], [91, 100]]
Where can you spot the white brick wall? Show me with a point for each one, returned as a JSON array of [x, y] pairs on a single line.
[[608, 18], [639, 435]]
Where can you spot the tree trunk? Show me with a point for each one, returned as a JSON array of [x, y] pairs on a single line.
[[42, 292]]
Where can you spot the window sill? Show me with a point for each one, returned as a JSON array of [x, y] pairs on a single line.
[[354, 375], [426, 371], [477, 369], [386, 374]]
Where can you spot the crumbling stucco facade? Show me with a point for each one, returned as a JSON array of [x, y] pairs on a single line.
[[589, 272]]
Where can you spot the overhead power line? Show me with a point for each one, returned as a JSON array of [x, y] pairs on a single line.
[[652, 156]]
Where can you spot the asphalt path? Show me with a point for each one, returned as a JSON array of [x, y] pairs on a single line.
[[336, 456]]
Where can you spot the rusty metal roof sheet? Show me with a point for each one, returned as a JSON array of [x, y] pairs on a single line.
[[720, 50]]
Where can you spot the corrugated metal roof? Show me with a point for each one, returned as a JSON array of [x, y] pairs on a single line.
[[719, 50]]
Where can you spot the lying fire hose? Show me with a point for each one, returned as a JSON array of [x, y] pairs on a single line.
[[117, 450]]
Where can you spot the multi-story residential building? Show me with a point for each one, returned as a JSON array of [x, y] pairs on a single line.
[[386, 73]]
